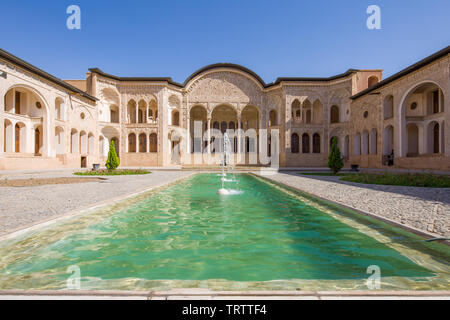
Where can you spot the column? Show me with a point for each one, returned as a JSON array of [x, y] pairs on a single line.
[[239, 137], [209, 137], [137, 112]]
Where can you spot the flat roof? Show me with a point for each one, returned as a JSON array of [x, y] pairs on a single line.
[[27, 66], [220, 66]]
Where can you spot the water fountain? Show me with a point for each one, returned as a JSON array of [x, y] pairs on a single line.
[[226, 163]]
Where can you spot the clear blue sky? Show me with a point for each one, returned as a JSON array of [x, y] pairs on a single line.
[[175, 38]]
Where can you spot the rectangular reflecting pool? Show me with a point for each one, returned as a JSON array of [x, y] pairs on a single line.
[[262, 236]]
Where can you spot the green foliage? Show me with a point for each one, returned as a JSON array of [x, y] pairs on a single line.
[[120, 172], [408, 179], [113, 160], [335, 162]]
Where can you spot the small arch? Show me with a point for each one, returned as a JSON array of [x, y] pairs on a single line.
[[296, 106], [59, 109], [113, 113], [142, 143], [38, 140], [388, 107], [295, 143], [7, 136], [316, 143], [433, 137], [317, 112], [334, 114], [373, 80], [175, 118], [132, 143], [305, 143], [388, 140], [142, 111], [307, 111], [273, 119], [153, 142], [59, 140], [20, 137], [83, 143], [131, 111]]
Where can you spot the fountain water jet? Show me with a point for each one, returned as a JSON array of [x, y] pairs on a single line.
[[226, 157]]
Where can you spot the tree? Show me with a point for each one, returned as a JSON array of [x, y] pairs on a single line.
[[113, 160], [335, 162]]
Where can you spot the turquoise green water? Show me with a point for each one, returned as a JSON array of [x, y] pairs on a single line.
[[188, 232]]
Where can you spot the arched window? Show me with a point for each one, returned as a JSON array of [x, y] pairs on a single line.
[[388, 140], [433, 137], [153, 142], [273, 121], [131, 142], [373, 80], [142, 143], [335, 117], [316, 143], [305, 143], [131, 111], [38, 141], [19, 131], [296, 105], [295, 143], [388, 107]]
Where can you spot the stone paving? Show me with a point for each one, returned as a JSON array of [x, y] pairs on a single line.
[[426, 209], [206, 294], [25, 206]]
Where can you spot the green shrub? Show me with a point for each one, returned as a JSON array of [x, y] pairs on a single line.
[[113, 160], [335, 162]]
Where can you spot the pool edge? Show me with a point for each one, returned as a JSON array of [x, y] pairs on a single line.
[[206, 294]]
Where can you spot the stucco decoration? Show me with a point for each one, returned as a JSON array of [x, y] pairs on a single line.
[[224, 87]]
